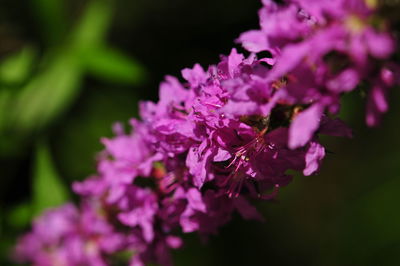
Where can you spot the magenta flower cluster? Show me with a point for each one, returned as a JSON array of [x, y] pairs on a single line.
[[223, 137]]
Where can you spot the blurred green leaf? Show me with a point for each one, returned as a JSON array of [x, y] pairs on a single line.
[[55, 87], [16, 68], [49, 93], [111, 65], [51, 15], [93, 25], [48, 189], [58, 78]]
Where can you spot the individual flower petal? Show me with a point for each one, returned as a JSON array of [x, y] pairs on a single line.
[[304, 126], [315, 154]]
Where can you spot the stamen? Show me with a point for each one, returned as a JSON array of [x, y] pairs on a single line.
[[242, 157]]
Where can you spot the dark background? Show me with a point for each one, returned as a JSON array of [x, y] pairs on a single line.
[[70, 68]]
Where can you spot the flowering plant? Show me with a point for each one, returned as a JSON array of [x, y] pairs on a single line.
[[223, 137]]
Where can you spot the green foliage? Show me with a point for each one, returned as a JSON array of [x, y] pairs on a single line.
[[16, 68], [46, 87], [111, 65], [92, 27], [47, 94], [48, 189]]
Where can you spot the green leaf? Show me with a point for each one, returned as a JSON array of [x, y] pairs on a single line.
[[48, 189], [111, 65], [93, 25], [48, 94], [16, 68]]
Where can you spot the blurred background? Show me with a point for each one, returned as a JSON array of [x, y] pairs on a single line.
[[70, 68]]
